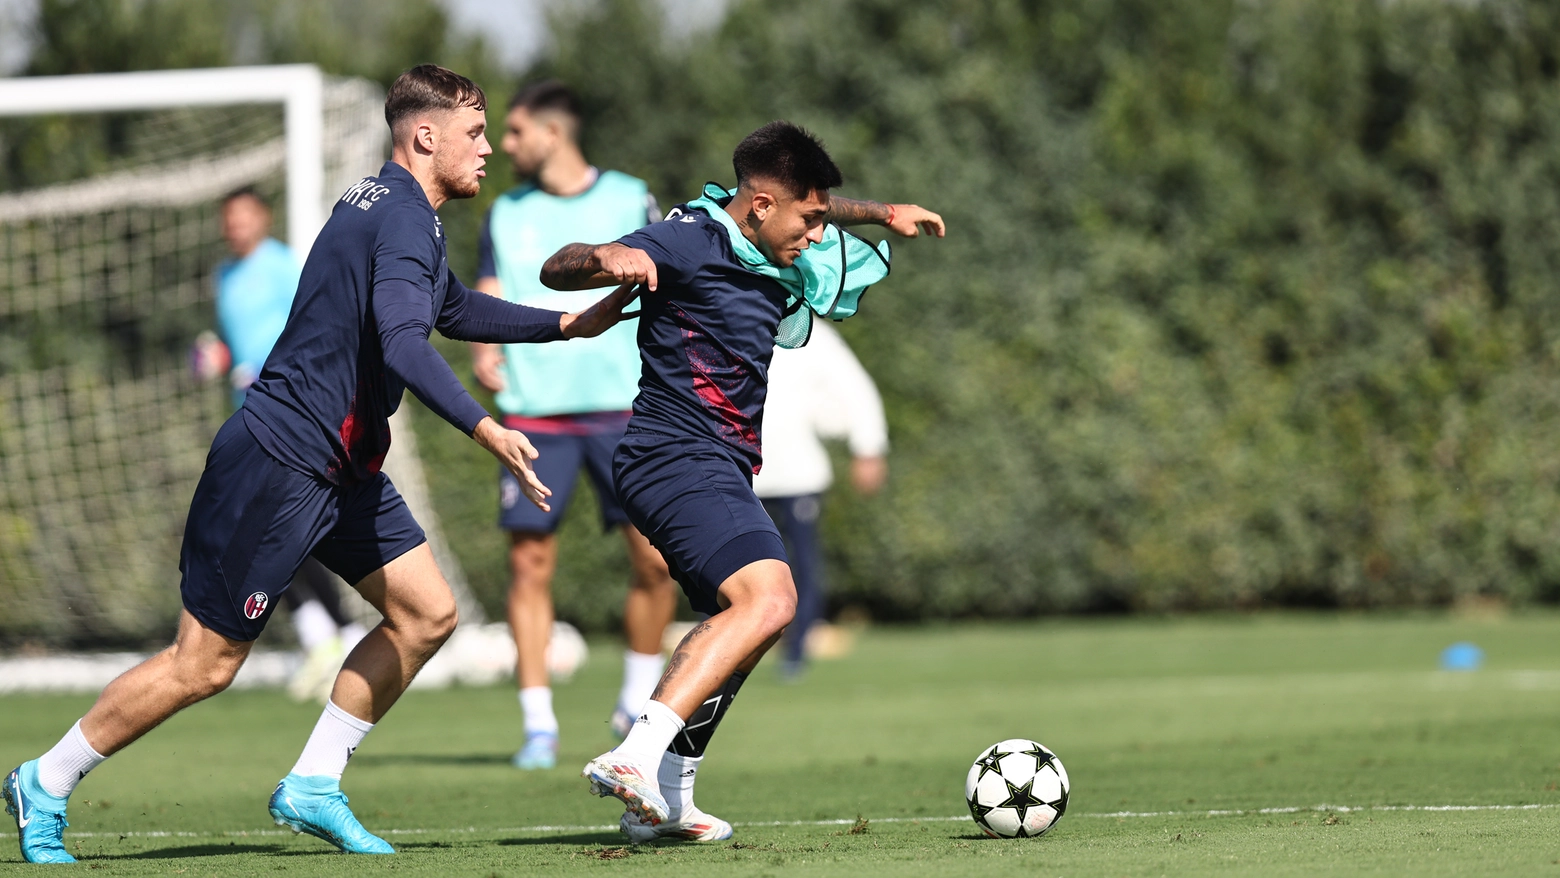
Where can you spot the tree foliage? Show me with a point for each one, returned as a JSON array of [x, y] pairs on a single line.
[[1241, 303]]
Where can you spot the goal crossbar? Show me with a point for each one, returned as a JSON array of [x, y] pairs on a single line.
[[299, 88]]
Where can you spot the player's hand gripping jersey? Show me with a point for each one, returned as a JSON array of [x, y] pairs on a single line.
[[374, 286]]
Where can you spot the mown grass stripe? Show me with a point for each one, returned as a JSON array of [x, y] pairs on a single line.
[[848, 821]]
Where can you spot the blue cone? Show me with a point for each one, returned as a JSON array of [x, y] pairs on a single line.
[[1461, 656]]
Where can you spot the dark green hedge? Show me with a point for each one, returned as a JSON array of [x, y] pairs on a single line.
[[1242, 303]]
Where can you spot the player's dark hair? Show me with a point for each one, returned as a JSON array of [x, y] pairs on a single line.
[[246, 192], [549, 95], [430, 87], [786, 154]]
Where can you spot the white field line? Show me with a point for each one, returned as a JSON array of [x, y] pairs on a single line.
[[545, 829]]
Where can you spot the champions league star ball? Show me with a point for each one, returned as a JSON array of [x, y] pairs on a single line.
[[1016, 789]]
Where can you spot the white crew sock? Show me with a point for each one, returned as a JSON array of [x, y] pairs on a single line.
[[536, 706], [314, 625], [332, 743], [676, 780], [351, 633], [60, 769], [640, 674], [652, 733]]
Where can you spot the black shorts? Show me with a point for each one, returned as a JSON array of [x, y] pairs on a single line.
[[253, 520], [560, 458], [696, 505]]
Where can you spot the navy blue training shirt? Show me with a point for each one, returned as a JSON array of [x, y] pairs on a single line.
[[375, 284], [706, 336]]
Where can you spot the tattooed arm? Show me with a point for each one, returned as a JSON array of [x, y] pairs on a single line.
[[851, 212], [907, 220], [587, 266]]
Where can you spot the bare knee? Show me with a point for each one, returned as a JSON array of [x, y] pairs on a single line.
[[440, 623], [776, 607], [652, 577], [427, 623], [650, 571], [207, 678]]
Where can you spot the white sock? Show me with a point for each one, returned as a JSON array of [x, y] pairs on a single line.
[[313, 624], [652, 733], [640, 674], [536, 706], [332, 743], [351, 633], [676, 781], [60, 769]]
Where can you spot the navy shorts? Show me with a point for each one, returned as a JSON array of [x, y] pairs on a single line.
[[695, 503], [562, 455], [253, 521]]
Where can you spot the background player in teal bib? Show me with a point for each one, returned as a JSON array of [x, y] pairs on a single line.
[[572, 400]]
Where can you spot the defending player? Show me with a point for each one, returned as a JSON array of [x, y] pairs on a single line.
[[571, 400], [296, 472], [719, 279]]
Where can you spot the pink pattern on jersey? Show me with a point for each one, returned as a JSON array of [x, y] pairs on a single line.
[[356, 442], [718, 374]]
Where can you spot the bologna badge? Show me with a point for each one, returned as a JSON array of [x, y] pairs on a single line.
[[254, 608]]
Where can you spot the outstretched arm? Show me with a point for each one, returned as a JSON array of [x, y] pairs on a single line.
[[401, 314], [906, 220], [588, 266], [471, 316]]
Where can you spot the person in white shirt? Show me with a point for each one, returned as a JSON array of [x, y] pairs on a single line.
[[818, 391]]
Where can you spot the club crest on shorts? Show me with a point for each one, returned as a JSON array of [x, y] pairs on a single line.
[[254, 608]]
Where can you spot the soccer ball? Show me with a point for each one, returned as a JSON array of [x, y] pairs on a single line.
[[1016, 789]]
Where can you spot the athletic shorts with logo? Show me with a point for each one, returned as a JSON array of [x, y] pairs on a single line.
[[565, 444], [694, 501], [253, 521]]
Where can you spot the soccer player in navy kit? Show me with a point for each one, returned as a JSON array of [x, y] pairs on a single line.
[[684, 469], [296, 473]]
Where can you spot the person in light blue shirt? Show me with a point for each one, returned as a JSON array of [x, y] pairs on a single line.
[[255, 286], [573, 400]]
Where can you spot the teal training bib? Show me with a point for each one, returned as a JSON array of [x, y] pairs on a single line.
[[828, 278], [527, 226]]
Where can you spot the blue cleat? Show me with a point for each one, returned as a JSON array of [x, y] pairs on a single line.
[[40, 817], [540, 751], [317, 805]]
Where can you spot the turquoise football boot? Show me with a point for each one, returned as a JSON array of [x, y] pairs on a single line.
[[540, 752], [40, 817], [317, 805]]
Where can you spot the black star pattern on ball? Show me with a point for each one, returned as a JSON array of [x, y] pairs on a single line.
[[1021, 799], [990, 763], [1042, 755], [980, 811]]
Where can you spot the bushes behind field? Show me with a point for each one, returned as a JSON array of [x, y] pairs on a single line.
[[1241, 304]]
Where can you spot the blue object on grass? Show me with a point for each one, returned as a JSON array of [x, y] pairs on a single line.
[[1462, 656]]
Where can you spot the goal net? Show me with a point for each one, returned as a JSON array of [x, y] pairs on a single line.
[[109, 242]]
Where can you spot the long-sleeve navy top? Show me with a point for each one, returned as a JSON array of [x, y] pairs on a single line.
[[375, 284]]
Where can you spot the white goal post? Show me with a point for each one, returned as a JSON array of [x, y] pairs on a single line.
[[299, 88], [81, 437]]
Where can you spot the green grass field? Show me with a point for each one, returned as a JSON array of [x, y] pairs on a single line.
[[1182, 737]]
